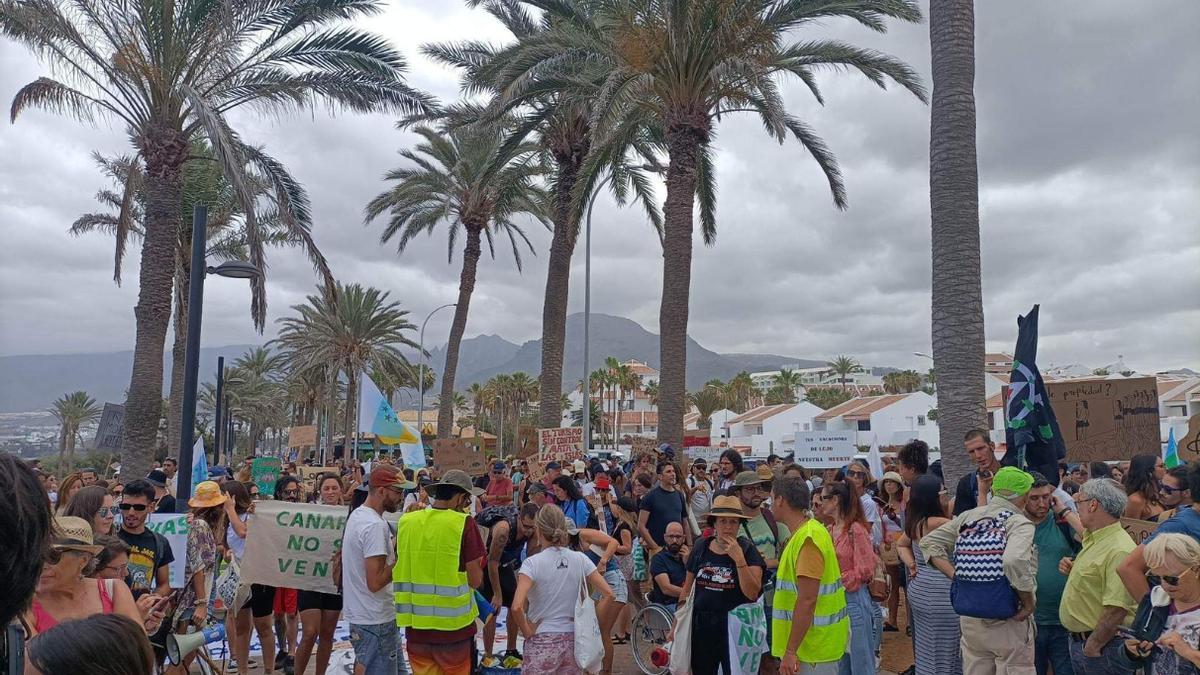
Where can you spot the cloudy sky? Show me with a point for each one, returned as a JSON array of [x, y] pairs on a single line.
[[1090, 205]]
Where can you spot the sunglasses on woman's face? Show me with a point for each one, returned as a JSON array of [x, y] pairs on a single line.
[[110, 511], [136, 507], [1169, 579]]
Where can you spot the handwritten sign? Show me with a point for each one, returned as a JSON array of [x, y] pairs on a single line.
[[302, 437], [747, 627], [264, 471], [527, 443], [562, 444], [640, 445], [291, 545], [314, 471], [1189, 445], [824, 449], [709, 455], [458, 453], [1105, 419], [174, 527], [1138, 529]]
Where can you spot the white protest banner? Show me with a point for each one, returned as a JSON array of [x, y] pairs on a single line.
[[747, 638], [709, 455], [561, 444], [174, 527], [291, 545], [824, 449]]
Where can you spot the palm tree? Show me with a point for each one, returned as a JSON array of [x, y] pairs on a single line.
[[779, 394], [707, 401], [957, 299], [470, 180], [480, 399], [359, 329], [651, 391], [826, 397], [788, 380], [171, 72], [72, 411], [559, 120], [674, 68], [204, 182], [843, 366], [458, 404]]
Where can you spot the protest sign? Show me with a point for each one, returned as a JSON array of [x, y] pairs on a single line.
[[747, 638], [264, 471], [527, 443], [1138, 529], [458, 453], [1189, 445], [291, 545], [1103, 419], [111, 428], [174, 527], [562, 444], [302, 437], [824, 449], [640, 445], [708, 454], [314, 471]]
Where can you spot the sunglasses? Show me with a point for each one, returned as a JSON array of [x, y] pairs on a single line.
[[136, 507], [109, 511], [53, 556], [1163, 487], [1170, 580], [856, 474]]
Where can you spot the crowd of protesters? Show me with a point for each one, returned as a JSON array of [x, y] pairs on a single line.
[[1005, 571]]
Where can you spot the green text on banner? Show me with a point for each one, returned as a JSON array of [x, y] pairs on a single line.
[[292, 545]]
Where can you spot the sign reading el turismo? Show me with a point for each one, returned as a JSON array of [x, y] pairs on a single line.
[[563, 444], [824, 449], [292, 545]]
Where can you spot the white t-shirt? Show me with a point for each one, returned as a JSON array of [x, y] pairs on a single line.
[[556, 574], [871, 511], [236, 544], [367, 535]]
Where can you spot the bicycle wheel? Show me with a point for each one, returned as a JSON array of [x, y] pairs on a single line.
[[650, 628]]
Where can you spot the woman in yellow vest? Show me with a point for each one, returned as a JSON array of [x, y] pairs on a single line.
[[810, 625]]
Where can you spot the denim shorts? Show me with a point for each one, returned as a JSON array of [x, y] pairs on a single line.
[[376, 648], [620, 587]]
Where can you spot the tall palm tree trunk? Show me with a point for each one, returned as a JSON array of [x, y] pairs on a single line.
[[330, 414], [957, 304], [63, 431], [558, 278], [684, 140], [183, 265], [164, 150], [466, 286], [350, 419]]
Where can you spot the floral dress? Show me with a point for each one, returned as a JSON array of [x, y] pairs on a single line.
[[201, 559]]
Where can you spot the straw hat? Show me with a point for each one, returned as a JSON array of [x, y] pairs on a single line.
[[747, 478], [727, 506], [73, 533], [208, 493]]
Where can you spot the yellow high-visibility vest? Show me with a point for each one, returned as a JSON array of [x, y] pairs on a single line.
[[430, 592], [829, 634]]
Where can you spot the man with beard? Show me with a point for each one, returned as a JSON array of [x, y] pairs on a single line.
[[975, 487], [767, 535], [367, 559], [668, 568], [508, 532]]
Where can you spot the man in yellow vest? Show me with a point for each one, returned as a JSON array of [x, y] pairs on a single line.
[[439, 564], [810, 626]]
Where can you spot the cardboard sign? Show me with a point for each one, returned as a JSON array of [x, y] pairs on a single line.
[[111, 428], [1107, 419], [302, 437], [640, 445], [1188, 447], [528, 441], [824, 449], [1138, 529], [314, 471], [458, 453], [709, 455], [264, 471], [173, 526], [291, 545], [562, 444]]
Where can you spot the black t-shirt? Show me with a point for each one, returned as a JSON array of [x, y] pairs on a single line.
[[148, 552], [717, 589], [674, 568], [665, 507], [166, 504], [964, 495]]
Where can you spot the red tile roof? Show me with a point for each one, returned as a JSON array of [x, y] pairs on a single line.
[[761, 413]]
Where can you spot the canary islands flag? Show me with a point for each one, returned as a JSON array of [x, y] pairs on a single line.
[[1171, 451], [376, 416]]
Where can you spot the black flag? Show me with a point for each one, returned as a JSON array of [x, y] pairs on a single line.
[[1034, 440]]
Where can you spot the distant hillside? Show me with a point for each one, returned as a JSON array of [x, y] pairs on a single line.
[[610, 336], [32, 382]]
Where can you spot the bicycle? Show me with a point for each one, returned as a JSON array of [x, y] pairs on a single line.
[[651, 626]]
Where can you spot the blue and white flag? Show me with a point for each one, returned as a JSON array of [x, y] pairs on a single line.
[[375, 415], [199, 464]]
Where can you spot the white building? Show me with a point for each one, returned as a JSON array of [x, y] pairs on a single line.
[[630, 401], [768, 428], [894, 419], [1178, 401]]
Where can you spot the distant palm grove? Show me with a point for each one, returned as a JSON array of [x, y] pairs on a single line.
[[586, 95]]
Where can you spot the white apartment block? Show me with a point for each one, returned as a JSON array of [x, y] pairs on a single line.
[[894, 419]]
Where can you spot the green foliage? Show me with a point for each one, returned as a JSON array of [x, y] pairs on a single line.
[[827, 397]]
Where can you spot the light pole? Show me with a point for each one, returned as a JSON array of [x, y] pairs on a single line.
[[235, 269], [421, 374], [217, 425], [932, 385]]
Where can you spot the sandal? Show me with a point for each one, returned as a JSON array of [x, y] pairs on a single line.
[[621, 639]]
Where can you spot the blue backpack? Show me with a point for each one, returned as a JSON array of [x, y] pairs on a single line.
[[980, 588]]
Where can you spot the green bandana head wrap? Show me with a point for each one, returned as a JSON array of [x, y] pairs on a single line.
[[1011, 482]]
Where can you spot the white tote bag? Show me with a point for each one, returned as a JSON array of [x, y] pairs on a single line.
[[589, 646], [681, 646]]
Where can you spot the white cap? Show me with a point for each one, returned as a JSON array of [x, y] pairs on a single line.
[[579, 466]]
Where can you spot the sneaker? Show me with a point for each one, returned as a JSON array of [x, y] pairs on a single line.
[[289, 665], [489, 661], [511, 661], [232, 667], [279, 657]]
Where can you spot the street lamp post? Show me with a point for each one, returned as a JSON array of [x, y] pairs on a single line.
[[191, 360], [932, 385], [421, 374], [217, 425]]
